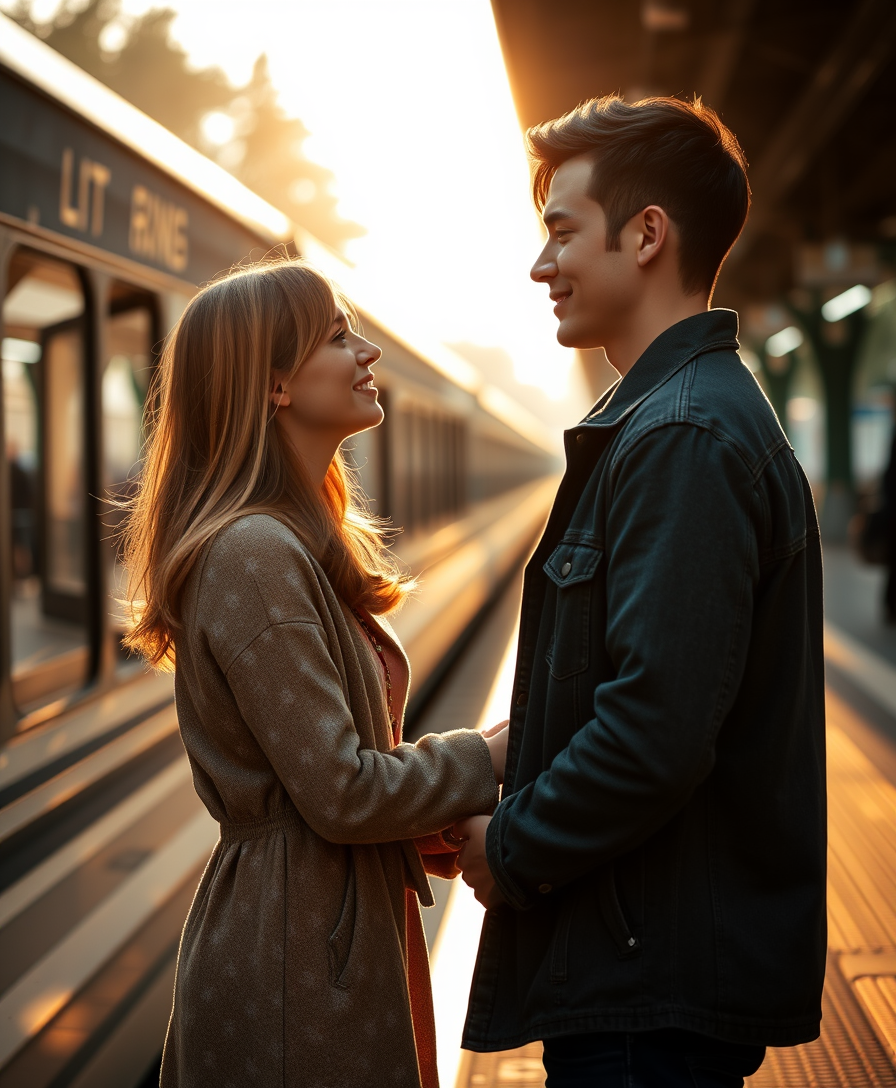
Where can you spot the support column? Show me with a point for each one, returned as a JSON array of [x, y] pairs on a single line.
[[836, 347], [777, 372]]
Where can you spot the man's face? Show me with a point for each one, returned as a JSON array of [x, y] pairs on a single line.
[[592, 288]]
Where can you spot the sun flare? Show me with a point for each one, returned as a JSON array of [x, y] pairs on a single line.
[[408, 104]]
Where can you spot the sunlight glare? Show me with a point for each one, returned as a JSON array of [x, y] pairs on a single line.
[[409, 106], [217, 128]]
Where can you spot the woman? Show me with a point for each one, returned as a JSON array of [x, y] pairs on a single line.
[[302, 961]]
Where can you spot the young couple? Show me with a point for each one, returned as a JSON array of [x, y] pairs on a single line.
[[654, 872]]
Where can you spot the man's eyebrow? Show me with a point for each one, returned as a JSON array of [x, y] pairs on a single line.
[[554, 215]]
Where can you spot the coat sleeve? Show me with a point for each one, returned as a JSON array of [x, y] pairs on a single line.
[[682, 568], [439, 856], [290, 692]]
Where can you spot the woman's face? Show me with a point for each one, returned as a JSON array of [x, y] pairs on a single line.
[[331, 395]]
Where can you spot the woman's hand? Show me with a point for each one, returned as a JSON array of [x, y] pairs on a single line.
[[496, 739]]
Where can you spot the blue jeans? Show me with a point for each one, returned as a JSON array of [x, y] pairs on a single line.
[[651, 1059]]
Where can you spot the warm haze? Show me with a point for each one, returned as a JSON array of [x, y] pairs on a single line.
[[408, 104]]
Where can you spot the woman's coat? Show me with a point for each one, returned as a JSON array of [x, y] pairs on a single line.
[[292, 967]]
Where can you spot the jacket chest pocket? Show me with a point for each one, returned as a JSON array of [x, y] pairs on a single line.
[[571, 567]]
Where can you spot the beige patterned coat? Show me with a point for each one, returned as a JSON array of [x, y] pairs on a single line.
[[292, 968]]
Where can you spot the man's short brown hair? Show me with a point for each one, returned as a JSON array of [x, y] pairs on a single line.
[[661, 151]]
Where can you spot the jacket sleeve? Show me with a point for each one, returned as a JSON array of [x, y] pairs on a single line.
[[290, 692], [682, 566]]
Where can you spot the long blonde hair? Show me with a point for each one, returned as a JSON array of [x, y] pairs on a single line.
[[214, 454]]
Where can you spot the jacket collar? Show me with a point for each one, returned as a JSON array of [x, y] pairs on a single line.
[[677, 345]]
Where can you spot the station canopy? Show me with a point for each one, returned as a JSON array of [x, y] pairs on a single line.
[[808, 87]]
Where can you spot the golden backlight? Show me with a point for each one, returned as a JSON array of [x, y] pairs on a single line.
[[408, 104]]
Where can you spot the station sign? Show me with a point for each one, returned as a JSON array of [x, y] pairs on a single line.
[[61, 173]]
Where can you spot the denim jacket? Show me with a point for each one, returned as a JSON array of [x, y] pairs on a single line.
[[661, 839]]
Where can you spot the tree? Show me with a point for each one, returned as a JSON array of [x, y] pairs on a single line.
[[74, 32], [149, 69], [273, 165]]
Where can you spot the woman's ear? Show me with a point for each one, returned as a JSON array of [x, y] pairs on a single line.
[[279, 394], [653, 225]]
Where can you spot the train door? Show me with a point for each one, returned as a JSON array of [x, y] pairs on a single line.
[[131, 336], [73, 435], [44, 398]]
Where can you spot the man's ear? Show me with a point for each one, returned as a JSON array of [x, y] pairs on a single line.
[[653, 227], [279, 394]]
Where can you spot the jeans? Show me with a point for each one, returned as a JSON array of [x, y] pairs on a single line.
[[669, 1058]]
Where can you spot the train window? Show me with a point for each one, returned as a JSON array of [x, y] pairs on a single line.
[[125, 385], [427, 454], [43, 399]]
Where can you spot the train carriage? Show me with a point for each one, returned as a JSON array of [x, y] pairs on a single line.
[[107, 224]]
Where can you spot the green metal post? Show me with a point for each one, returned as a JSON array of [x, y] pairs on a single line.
[[778, 375], [836, 352]]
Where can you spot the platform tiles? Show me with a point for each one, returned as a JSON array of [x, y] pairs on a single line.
[[857, 1046]]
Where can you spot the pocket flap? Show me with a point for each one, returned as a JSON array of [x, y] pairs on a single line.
[[572, 563]]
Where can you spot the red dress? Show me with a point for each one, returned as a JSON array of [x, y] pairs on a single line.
[[439, 860]]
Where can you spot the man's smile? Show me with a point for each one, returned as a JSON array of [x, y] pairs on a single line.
[[559, 298]]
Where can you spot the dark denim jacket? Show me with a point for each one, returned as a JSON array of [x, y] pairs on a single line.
[[661, 841]]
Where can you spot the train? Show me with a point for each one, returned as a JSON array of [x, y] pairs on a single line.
[[107, 225]]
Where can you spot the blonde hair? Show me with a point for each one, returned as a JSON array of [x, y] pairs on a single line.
[[214, 454]]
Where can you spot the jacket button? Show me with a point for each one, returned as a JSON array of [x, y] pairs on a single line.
[[565, 569], [545, 888], [522, 698], [580, 438]]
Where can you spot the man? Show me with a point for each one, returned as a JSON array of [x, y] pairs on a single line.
[[656, 868]]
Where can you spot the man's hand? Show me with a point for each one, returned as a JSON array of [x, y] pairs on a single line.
[[472, 861], [496, 739]]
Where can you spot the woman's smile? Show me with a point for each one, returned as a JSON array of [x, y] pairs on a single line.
[[365, 385]]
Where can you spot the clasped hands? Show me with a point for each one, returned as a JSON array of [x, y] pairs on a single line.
[[471, 860]]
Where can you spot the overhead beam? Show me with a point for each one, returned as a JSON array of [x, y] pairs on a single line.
[[872, 176], [837, 84], [723, 53]]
